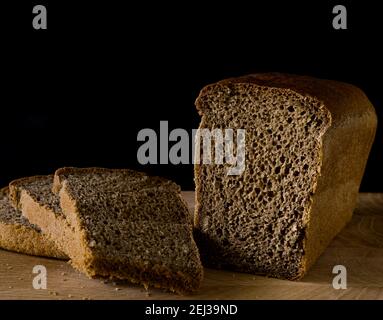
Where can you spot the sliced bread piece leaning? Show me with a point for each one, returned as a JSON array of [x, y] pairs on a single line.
[[17, 234], [34, 198], [126, 225]]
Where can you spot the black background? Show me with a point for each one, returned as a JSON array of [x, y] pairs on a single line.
[[78, 93]]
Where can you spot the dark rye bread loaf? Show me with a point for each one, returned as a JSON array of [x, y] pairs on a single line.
[[126, 225], [17, 234], [307, 143]]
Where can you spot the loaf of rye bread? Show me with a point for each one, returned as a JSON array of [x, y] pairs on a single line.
[[307, 141], [118, 224], [17, 234]]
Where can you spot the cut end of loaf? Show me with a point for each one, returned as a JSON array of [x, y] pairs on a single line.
[[256, 222]]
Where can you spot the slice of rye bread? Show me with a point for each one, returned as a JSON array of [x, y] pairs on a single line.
[[307, 144], [44, 211], [125, 224], [17, 234]]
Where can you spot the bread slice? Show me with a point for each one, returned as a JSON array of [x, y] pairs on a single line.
[[124, 224], [17, 234], [307, 143], [34, 198]]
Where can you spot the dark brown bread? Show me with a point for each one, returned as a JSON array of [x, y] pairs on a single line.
[[307, 143], [126, 225], [17, 234], [34, 198]]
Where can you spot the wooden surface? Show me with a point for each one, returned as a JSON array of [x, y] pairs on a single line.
[[359, 247]]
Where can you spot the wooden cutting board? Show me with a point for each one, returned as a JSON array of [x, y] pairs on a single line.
[[359, 247]]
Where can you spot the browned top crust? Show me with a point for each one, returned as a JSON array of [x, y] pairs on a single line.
[[341, 99], [101, 178]]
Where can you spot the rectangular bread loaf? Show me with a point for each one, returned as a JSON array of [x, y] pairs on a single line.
[[307, 143]]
